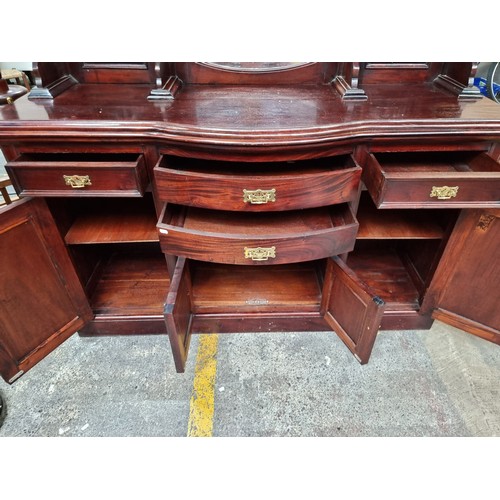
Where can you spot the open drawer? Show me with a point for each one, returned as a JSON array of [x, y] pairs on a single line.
[[460, 179], [297, 297], [78, 174], [257, 238], [254, 187]]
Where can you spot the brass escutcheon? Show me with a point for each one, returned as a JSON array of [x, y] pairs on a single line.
[[77, 181], [259, 196], [444, 192], [259, 253]]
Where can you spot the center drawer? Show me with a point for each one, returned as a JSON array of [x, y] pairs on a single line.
[[79, 174], [271, 186], [257, 238]]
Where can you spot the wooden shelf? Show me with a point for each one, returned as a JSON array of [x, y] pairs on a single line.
[[382, 269], [377, 224], [115, 226], [218, 288], [131, 284]]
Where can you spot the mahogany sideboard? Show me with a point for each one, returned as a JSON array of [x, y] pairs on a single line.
[[179, 198]]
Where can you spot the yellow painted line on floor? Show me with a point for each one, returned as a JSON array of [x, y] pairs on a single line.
[[201, 407]]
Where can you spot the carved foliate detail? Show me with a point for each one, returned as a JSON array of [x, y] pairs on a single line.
[[485, 221]]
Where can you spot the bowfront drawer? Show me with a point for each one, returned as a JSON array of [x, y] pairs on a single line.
[[459, 179], [74, 174], [257, 186], [258, 238]]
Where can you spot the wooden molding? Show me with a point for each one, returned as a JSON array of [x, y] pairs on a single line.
[[168, 91], [348, 92], [54, 89], [346, 82], [457, 88]]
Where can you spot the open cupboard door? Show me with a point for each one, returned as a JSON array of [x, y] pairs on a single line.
[[351, 309], [469, 269], [178, 314], [42, 301]]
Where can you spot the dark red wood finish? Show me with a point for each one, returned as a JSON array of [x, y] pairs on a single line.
[[178, 314], [352, 309], [230, 237], [42, 302], [208, 134], [464, 291], [108, 174], [413, 179], [232, 185]]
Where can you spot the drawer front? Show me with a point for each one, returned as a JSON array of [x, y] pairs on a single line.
[[79, 175], [460, 180], [235, 238], [251, 188]]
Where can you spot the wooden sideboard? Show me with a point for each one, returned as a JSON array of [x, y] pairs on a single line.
[[180, 198]]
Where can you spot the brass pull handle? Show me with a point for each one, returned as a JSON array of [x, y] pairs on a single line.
[[259, 253], [444, 192], [259, 196], [77, 181]]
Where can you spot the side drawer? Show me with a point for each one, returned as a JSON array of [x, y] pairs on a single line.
[[257, 238], [74, 174], [459, 179], [254, 187]]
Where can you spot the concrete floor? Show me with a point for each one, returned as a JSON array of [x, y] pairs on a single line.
[[441, 382]]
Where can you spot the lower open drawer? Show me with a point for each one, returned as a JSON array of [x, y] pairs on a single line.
[[257, 238]]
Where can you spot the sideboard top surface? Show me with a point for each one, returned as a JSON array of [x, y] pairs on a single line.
[[250, 115]]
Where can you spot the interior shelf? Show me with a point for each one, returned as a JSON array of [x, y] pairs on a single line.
[[383, 269], [131, 284], [218, 288], [122, 221], [375, 224]]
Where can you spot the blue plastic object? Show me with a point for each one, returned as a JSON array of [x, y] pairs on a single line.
[[480, 83]]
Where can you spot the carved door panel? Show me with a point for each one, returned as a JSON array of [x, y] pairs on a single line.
[[351, 308], [42, 301], [465, 291]]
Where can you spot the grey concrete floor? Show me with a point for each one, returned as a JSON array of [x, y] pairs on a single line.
[[441, 382]]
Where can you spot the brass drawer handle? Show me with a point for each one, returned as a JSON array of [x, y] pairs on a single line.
[[260, 254], [444, 192], [77, 181], [259, 196]]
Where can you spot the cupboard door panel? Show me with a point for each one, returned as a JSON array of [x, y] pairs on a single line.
[[42, 302], [465, 291], [178, 314], [352, 309]]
